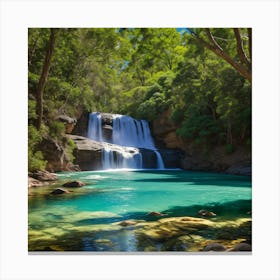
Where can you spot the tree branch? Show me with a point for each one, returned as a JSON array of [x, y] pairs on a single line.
[[240, 49], [212, 40], [214, 47]]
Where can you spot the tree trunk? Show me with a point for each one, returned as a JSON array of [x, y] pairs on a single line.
[[43, 78]]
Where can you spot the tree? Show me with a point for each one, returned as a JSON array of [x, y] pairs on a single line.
[[243, 64], [43, 78]]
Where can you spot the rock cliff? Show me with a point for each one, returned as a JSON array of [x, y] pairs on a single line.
[[197, 158]]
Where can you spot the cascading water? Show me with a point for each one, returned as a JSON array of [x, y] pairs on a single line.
[[122, 158], [95, 127], [132, 133], [129, 134]]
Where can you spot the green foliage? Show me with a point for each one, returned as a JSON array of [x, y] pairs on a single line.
[[70, 146], [152, 107], [141, 72], [35, 158], [33, 80], [32, 110], [36, 161], [202, 128], [56, 129], [177, 115]]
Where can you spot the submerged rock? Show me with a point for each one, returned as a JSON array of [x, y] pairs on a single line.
[[156, 214], [59, 191], [127, 223], [167, 228], [206, 213], [214, 247], [74, 184], [241, 247]]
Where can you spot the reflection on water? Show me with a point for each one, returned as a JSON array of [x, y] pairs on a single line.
[[89, 218]]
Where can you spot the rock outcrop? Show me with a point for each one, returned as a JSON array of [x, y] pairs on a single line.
[[35, 183], [194, 157], [55, 154], [68, 122], [81, 126], [165, 130], [43, 175], [88, 153]]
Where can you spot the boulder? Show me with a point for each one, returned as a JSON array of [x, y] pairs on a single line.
[[35, 183], [68, 122], [74, 184], [217, 247], [43, 175], [59, 191]]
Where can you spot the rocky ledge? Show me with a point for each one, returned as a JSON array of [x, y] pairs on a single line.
[[88, 153], [41, 178]]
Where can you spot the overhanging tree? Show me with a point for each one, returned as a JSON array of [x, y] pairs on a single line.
[[242, 63]]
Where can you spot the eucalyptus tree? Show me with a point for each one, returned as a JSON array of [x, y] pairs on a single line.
[[221, 45]]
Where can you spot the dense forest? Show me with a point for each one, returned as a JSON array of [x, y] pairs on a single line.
[[201, 76]]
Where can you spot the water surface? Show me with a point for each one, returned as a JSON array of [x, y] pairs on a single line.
[[87, 219]]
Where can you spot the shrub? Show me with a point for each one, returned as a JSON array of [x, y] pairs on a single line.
[[36, 161], [56, 130], [35, 158]]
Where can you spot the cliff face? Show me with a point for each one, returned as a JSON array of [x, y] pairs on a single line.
[[197, 158]]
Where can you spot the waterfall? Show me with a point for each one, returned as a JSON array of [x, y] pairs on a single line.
[[121, 158], [160, 164], [132, 133], [129, 134], [95, 127]]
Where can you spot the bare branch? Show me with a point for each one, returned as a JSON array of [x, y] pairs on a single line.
[[240, 49], [212, 40], [219, 52]]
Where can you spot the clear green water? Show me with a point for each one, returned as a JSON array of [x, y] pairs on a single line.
[[90, 213]]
